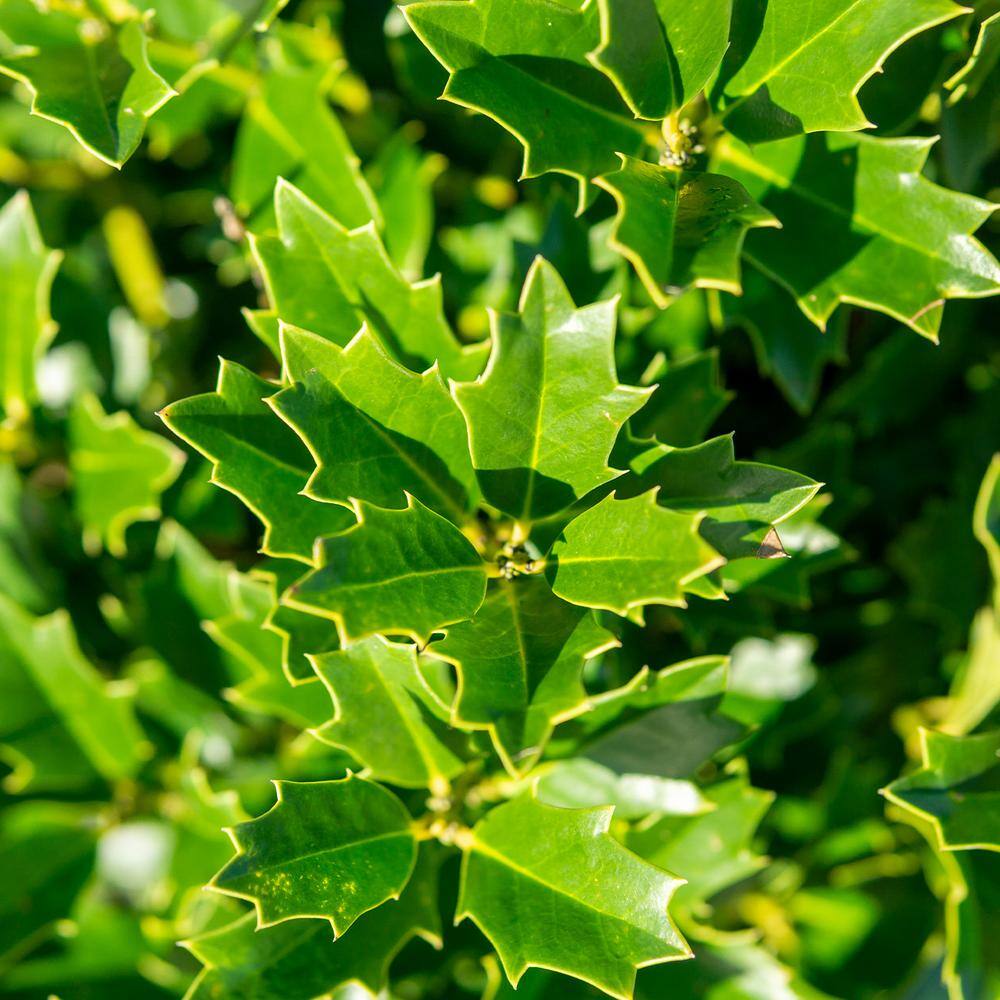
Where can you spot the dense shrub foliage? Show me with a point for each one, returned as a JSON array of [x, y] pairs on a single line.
[[581, 572]]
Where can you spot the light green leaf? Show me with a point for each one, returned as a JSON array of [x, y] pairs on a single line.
[[710, 851], [971, 77], [778, 78], [301, 634], [955, 790], [544, 416], [551, 889], [579, 783], [119, 472], [986, 520], [681, 229], [624, 554], [330, 280], [298, 961], [91, 76], [520, 662], [526, 64], [289, 131], [374, 428], [332, 849], [660, 53], [27, 268], [61, 724], [256, 457], [403, 572], [861, 225], [387, 718], [741, 500]]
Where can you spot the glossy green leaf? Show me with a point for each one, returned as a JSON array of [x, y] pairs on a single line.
[[405, 572], [387, 718], [660, 53], [255, 456], [298, 961], [741, 500], [955, 789], [289, 131], [61, 725], [778, 79], [681, 229], [665, 724], [332, 849], [520, 661], [625, 554], [860, 224], [301, 634], [27, 268], [375, 429], [91, 76], [330, 280], [544, 416], [119, 472], [550, 888], [526, 64]]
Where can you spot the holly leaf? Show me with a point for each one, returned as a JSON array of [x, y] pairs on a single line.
[[520, 661], [330, 280], [119, 472], [301, 634], [661, 53], [713, 849], [741, 501], [27, 268], [544, 416], [551, 889], [61, 725], [298, 961], [332, 849], [579, 783], [789, 349], [403, 572], [665, 724], [778, 80], [955, 790], [526, 64], [91, 76], [861, 225], [288, 130], [681, 229], [624, 554], [375, 429], [387, 718], [973, 74], [257, 458]]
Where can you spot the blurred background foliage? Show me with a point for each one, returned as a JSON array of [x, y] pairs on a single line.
[[840, 653]]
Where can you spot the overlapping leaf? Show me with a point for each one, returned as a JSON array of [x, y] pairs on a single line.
[[550, 888], [860, 224], [404, 572], [91, 76], [258, 458], [544, 416], [681, 229]]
